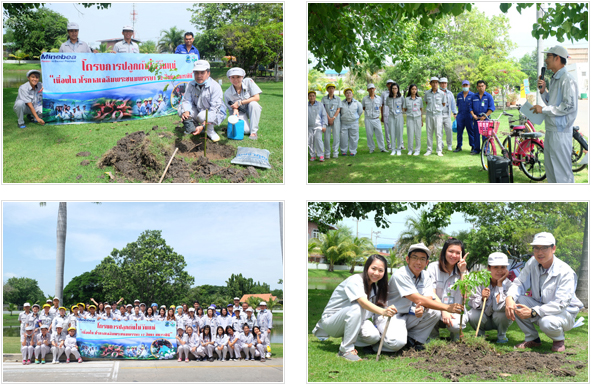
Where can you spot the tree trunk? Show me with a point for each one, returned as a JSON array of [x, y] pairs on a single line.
[[62, 222], [582, 291], [331, 266]]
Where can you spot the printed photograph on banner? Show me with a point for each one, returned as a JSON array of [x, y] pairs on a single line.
[[130, 93], [143, 291], [426, 99], [448, 291]]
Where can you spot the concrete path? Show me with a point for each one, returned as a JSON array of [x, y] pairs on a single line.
[[145, 371]]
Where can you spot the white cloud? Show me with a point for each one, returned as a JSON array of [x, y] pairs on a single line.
[[8, 274]]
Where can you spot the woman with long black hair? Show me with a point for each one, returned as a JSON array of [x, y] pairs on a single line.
[[346, 310], [395, 118], [413, 106]]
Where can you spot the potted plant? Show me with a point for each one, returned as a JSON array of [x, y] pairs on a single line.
[[467, 285], [512, 98]]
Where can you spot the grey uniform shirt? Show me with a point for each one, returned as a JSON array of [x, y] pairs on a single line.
[[44, 340], [265, 320], [443, 283], [492, 303], [206, 97], [395, 105], [316, 115], [331, 105], [57, 338], [404, 283], [554, 287], [46, 319], [125, 47], [30, 340], [249, 89], [70, 342], [413, 106], [372, 106], [386, 109], [561, 102], [80, 47], [450, 102], [348, 291], [28, 94], [434, 101], [350, 112]]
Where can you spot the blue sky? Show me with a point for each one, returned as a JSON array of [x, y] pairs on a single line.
[[217, 239]]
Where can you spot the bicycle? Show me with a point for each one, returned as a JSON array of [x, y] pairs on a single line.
[[528, 151], [579, 149]]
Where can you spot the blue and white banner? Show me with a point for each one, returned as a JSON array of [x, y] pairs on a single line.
[[136, 340], [86, 87]]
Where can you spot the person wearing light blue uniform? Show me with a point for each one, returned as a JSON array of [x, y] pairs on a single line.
[[126, 45], [332, 105], [29, 100], [372, 105], [448, 110], [560, 112], [242, 99], [188, 47], [482, 103], [386, 113], [464, 118], [202, 94], [435, 101], [394, 103], [413, 107], [73, 44], [317, 122], [351, 111]]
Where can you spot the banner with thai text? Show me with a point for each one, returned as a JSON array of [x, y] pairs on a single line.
[[135, 340], [86, 87]]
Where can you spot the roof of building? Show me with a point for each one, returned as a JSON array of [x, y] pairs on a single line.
[[118, 39], [264, 297]]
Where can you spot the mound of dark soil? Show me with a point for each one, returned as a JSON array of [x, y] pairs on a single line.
[[455, 360], [131, 158]]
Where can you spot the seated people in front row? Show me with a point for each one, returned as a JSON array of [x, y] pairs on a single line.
[[241, 99], [553, 305]]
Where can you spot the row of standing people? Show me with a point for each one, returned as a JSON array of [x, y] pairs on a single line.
[[421, 302]]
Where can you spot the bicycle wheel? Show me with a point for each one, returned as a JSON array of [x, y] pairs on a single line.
[[506, 145], [488, 148], [531, 155], [576, 155]]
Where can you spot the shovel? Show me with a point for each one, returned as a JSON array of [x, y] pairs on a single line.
[[382, 340], [205, 141], [480, 319]]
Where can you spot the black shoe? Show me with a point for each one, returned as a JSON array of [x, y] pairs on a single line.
[[31, 119], [368, 350], [458, 149], [476, 152]]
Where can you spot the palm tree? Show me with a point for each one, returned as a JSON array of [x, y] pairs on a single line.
[[419, 229], [171, 39], [19, 55], [358, 249], [394, 260], [103, 48], [582, 290], [316, 80], [148, 47], [334, 244], [62, 224]]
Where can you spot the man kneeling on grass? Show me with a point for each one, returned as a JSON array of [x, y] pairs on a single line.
[[30, 99], [553, 305], [410, 290]]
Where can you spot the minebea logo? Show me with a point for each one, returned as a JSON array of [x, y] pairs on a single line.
[[57, 56]]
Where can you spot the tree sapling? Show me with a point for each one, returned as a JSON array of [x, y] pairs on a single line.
[[467, 285]]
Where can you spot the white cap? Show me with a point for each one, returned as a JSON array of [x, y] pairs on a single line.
[[443, 80], [419, 246], [29, 328], [434, 78], [235, 71], [237, 308], [59, 324], [129, 305], [558, 50], [54, 298], [370, 85], [72, 26], [128, 28], [263, 303], [191, 309], [249, 309], [27, 304], [201, 65], [44, 326], [107, 306], [543, 239], [390, 81], [137, 300], [498, 259], [237, 298]]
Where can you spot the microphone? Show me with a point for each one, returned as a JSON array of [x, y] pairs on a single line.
[[542, 76]]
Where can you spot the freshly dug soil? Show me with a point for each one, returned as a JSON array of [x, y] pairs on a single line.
[[132, 160], [455, 360]]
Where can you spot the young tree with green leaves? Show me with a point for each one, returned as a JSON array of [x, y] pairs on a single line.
[[467, 285], [170, 39]]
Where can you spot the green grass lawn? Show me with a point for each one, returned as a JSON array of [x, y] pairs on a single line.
[[10, 320], [322, 275], [381, 167], [47, 154], [325, 366]]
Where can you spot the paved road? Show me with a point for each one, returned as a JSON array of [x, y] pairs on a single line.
[[145, 371]]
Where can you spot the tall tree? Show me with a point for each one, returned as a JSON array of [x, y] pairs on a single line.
[[334, 244], [85, 286], [19, 290], [170, 39], [147, 268], [148, 47], [419, 229], [38, 31], [358, 249], [583, 273]]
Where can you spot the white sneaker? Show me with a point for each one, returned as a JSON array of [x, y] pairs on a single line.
[[428, 153], [449, 148], [212, 135], [416, 153], [439, 154], [335, 156], [410, 152], [371, 151], [327, 156], [393, 152], [398, 152]]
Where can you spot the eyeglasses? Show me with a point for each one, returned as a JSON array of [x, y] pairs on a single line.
[[420, 259], [540, 248]]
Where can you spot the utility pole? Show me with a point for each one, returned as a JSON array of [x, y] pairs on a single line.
[[540, 56], [133, 19]]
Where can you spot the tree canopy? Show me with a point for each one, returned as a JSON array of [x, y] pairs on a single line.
[[147, 268], [18, 290], [85, 286], [36, 31]]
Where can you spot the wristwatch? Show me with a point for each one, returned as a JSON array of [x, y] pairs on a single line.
[[534, 313]]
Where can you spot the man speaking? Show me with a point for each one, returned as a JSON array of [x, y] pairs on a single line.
[[560, 113]]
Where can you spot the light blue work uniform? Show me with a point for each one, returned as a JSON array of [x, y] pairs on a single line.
[[559, 116], [252, 115], [371, 106], [395, 121], [414, 120], [493, 317], [350, 114], [79, 47], [443, 283], [199, 98], [316, 121], [434, 116], [448, 110], [125, 47], [27, 94], [332, 106], [386, 114]]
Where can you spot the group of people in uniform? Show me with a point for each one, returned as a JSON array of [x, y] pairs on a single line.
[[228, 332], [420, 300]]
